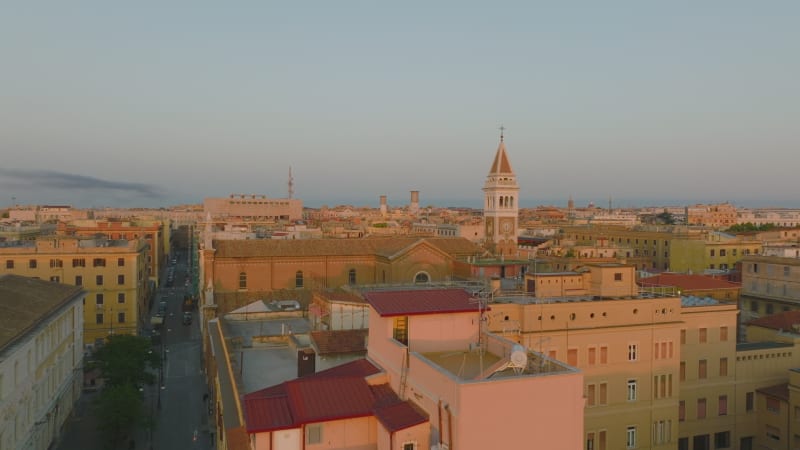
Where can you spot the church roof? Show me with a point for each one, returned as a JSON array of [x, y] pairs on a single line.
[[501, 165], [387, 247]]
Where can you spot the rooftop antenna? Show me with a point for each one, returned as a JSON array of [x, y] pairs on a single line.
[[291, 183]]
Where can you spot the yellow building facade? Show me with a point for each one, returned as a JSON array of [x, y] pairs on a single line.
[[715, 251], [114, 274]]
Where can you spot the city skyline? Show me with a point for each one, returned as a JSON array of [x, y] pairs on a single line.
[[155, 105]]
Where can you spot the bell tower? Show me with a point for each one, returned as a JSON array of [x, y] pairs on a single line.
[[501, 204]]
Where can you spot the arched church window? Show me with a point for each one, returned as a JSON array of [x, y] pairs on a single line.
[[298, 279], [351, 277], [422, 278], [242, 280]]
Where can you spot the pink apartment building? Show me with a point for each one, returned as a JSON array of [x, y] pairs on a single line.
[[433, 378]]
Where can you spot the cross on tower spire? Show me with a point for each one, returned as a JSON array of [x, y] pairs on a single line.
[[502, 129]]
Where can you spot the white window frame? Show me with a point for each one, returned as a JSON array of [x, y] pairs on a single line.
[[632, 390], [413, 444], [633, 352], [630, 437]]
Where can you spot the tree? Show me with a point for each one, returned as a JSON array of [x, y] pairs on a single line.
[[125, 360], [125, 363], [120, 410], [666, 218]]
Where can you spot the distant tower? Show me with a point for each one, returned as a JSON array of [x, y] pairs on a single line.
[[291, 183], [413, 208], [501, 204], [570, 208], [609, 204], [384, 208]]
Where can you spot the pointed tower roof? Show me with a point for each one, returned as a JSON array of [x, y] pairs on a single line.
[[501, 165]]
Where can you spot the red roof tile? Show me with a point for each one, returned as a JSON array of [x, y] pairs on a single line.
[[360, 367], [337, 393], [781, 321], [688, 282], [417, 302], [400, 416], [319, 399]]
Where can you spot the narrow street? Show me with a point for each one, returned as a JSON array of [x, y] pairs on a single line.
[[179, 408]]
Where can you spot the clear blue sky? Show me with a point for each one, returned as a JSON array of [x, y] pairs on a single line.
[[157, 103]]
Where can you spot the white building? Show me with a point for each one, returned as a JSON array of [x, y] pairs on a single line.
[[41, 354]]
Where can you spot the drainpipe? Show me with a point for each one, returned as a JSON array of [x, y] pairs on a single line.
[[449, 427], [440, 422]]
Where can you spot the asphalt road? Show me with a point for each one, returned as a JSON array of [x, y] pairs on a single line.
[[179, 409]]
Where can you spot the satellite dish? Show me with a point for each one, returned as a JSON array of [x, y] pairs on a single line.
[[519, 357]]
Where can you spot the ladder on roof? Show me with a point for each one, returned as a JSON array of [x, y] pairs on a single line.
[[404, 374]]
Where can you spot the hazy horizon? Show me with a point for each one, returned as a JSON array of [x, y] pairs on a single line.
[[153, 104]]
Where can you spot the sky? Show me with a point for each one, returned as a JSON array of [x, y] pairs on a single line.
[[159, 103]]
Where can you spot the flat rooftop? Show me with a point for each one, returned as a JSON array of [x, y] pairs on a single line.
[[479, 365], [264, 352], [749, 346]]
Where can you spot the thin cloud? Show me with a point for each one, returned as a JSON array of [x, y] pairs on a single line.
[[71, 181]]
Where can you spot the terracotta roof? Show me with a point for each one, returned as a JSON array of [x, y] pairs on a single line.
[[25, 302], [501, 165], [334, 394], [780, 391], [688, 282], [400, 416], [339, 341], [386, 247], [422, 301], [782, 321]]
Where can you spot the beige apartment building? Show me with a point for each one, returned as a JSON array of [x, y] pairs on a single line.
[[720, 215], [253, 208], [41, 355], [770, 284], [661, 371], [113, 272], [677, 249]]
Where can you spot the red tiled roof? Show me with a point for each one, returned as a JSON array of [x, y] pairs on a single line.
[[340, 341], [688, 282], [782, 321], [336, 393], [358, 368], [319, 399], [417, 302], [386, 247], [400, 416]]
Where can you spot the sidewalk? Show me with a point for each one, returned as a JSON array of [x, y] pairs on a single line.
[[80, 429]]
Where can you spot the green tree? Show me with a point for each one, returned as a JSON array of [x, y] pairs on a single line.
[[126, 360], [120, 410], [665, 218], [126, 364]]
